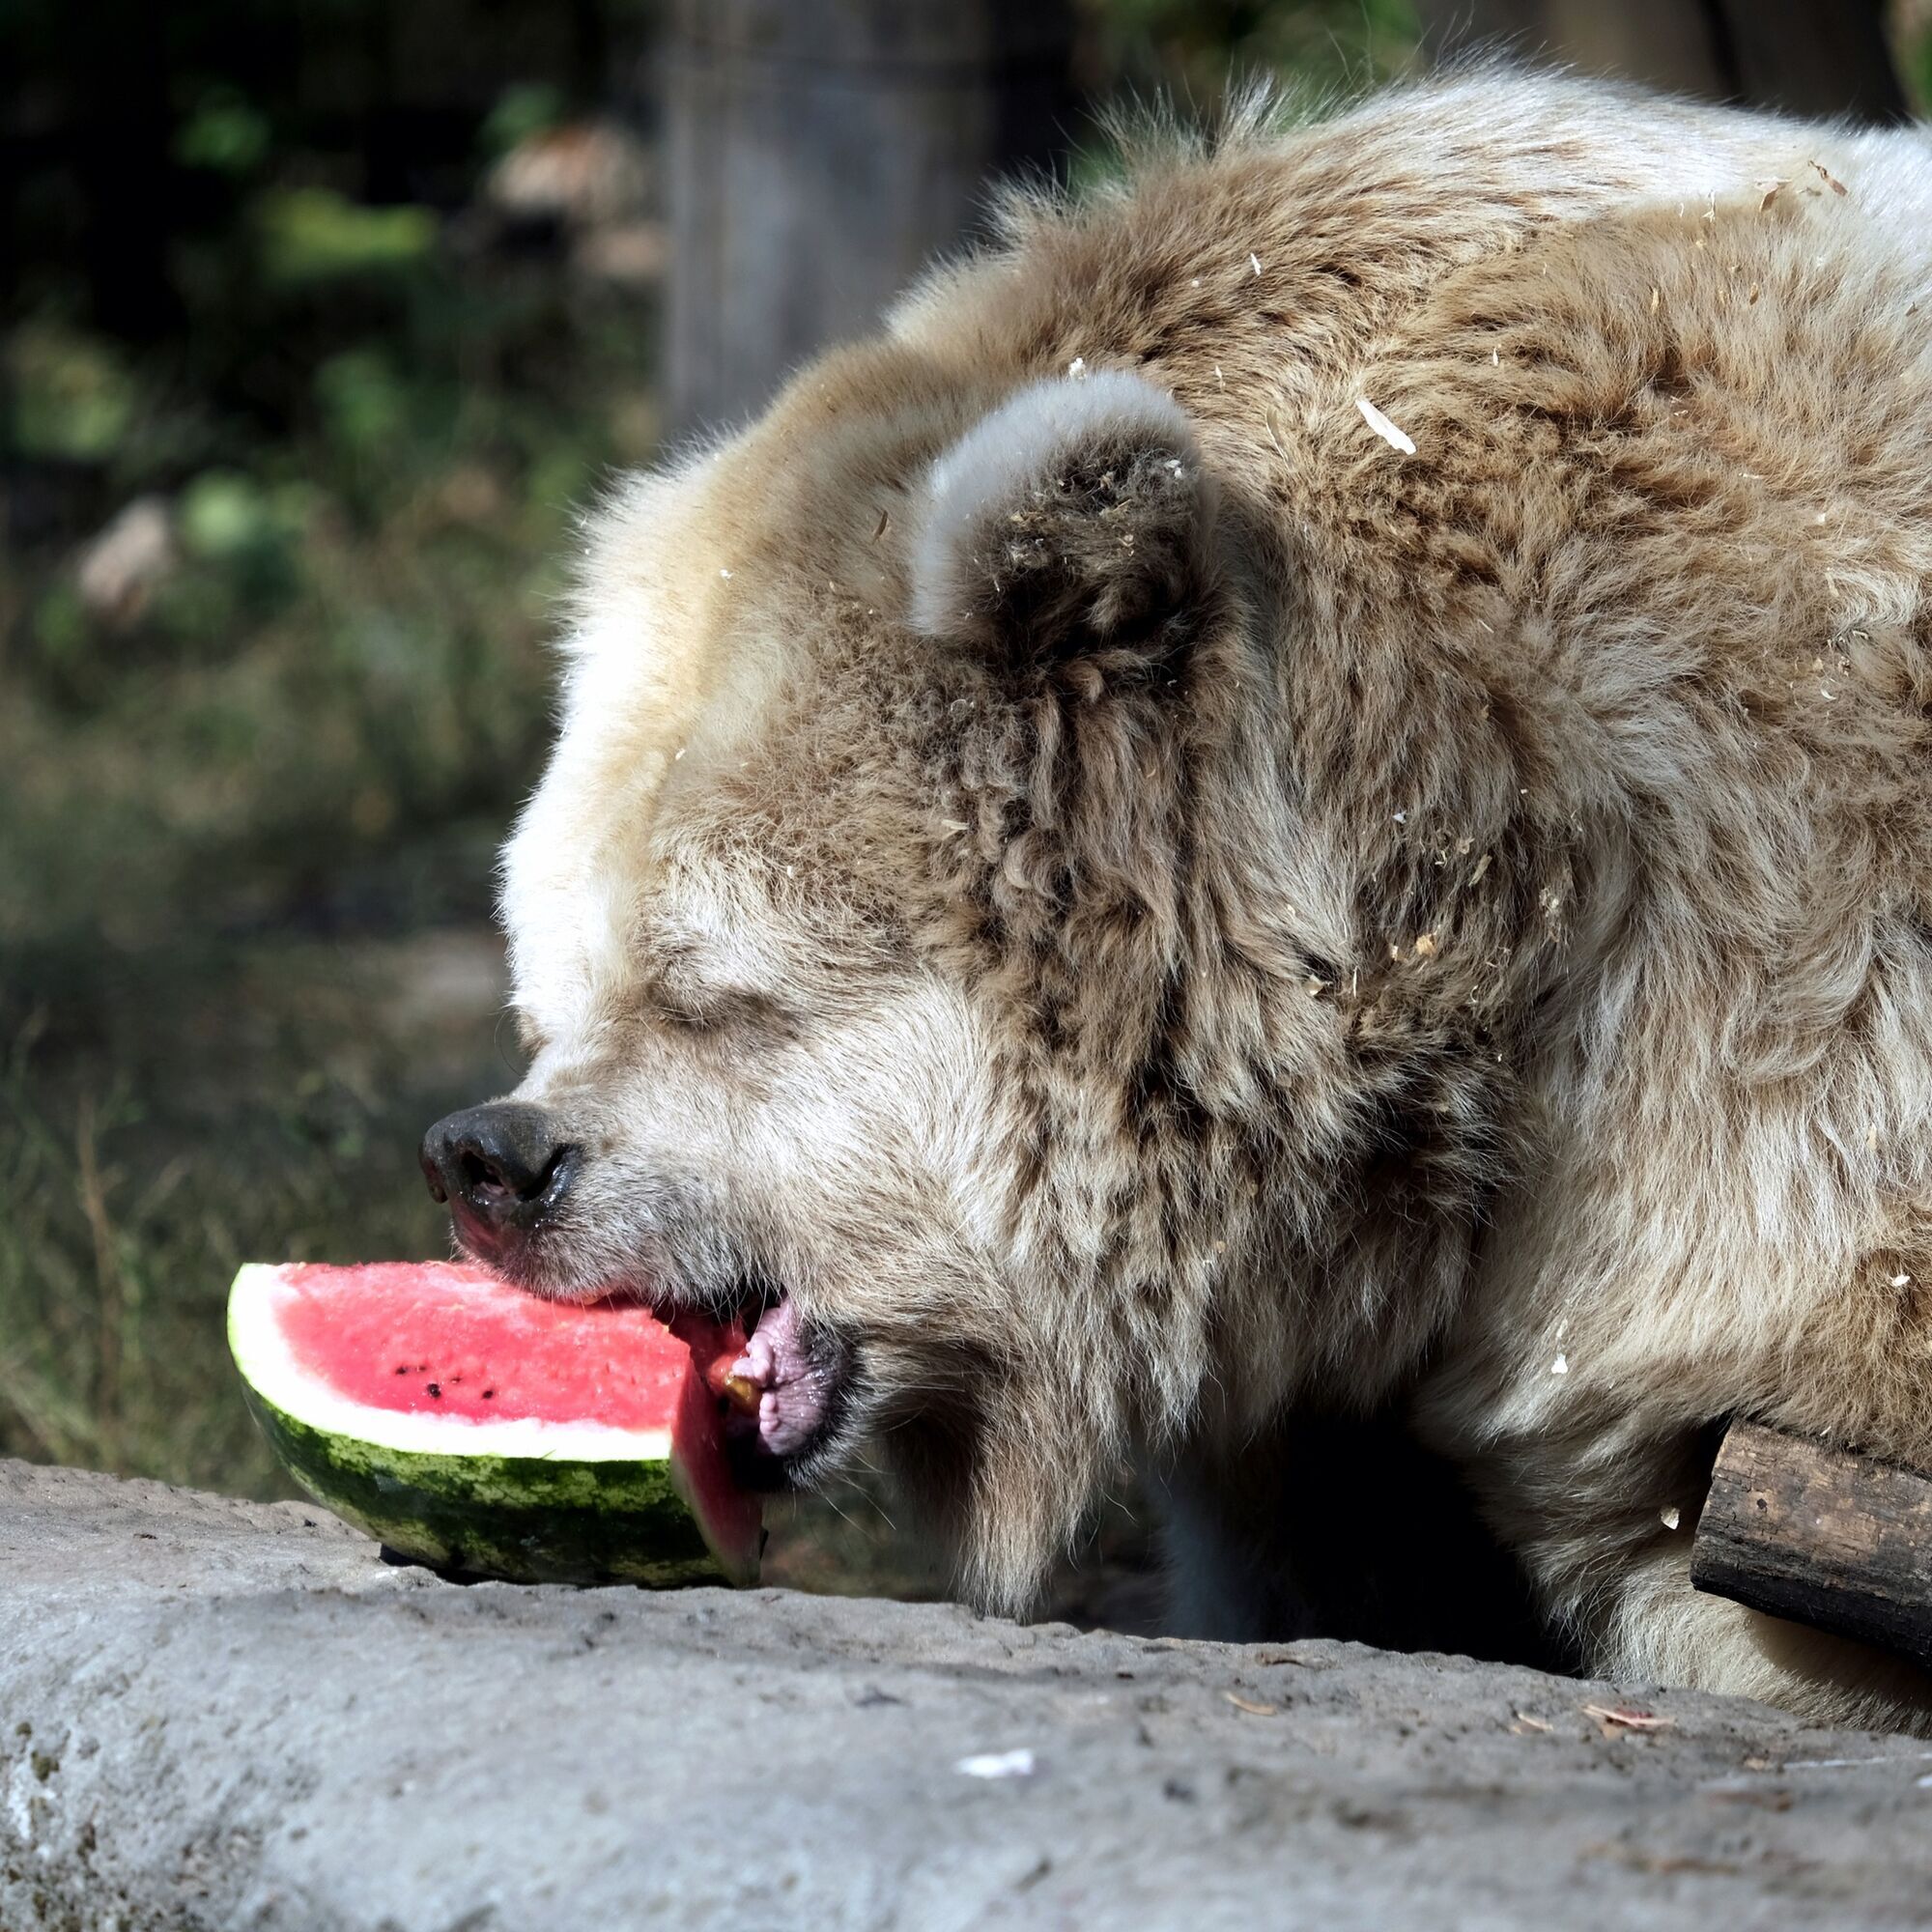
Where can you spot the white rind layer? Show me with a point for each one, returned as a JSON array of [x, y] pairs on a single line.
[[262, 1353]]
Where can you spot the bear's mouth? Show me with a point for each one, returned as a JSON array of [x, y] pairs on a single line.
[[788, 1379], [787, 1388]]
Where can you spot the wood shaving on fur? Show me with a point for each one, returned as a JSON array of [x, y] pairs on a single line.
[[1396, 439]]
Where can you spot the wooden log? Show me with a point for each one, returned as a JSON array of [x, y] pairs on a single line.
[[1821, 1535]]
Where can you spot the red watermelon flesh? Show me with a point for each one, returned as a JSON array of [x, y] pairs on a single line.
[[436, 1337], [534, 1438]]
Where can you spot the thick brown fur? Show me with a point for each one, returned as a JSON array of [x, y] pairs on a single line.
[[1228, 914]]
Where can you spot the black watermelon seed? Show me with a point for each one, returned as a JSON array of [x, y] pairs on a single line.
[[402, 1367], [487, 1393], [436, 1388]]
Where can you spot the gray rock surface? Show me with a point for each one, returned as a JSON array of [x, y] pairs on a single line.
[[223, 1714]]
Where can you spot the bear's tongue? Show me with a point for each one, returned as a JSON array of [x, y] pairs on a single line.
[[792, 1387]]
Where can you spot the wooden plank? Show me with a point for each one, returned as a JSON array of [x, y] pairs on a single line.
[[1821, 1535]]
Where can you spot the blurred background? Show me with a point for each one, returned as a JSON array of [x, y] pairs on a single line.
[[318, 320]]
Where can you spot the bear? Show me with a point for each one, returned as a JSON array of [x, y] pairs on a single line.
[[1306, 787]]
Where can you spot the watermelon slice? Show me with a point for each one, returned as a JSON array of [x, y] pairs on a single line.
[[477, 1429]]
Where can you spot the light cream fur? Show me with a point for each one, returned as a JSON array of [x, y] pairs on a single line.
[[1168, 909]]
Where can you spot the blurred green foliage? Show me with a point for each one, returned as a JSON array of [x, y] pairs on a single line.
[[315, 235], [71, 398], [1194, 49], [1911, 47], [224, 131]]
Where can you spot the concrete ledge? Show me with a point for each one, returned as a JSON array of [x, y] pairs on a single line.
[[223, 1715]]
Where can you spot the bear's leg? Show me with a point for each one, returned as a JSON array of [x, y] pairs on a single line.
[[1612, 1569], [1654, 1626], [1342, 1526], [1230, 1572], [1621, 1318]]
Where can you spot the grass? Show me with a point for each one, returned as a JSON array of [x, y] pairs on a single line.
[[140, 1184], [249, 834]]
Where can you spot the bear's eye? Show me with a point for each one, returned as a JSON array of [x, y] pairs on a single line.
[[679, 999], [684, 1018]]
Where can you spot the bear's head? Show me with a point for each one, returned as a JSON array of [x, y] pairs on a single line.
[[907, 944]]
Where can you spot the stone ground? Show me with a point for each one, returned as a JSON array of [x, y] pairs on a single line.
[[218, 1714]]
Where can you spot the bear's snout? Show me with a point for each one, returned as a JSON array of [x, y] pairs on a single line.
[[503, 1168]]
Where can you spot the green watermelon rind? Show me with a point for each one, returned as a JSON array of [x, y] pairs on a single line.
[[514, 1517], [549, 1519]]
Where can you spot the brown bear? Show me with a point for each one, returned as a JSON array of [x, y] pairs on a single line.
[[1309, 785]]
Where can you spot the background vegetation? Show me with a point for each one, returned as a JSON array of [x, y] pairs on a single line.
[[305, 362]]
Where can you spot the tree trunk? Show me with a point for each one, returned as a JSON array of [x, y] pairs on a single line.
[[820, 153], [1791, 54]]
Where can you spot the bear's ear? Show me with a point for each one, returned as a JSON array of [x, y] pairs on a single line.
[[1072, 522]]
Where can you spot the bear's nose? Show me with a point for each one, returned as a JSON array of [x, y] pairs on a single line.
[[498, 1166]]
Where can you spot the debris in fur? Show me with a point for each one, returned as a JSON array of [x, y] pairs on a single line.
[[1560, 1366], [1670, 1517], [1396, 439], [1829, 180]]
